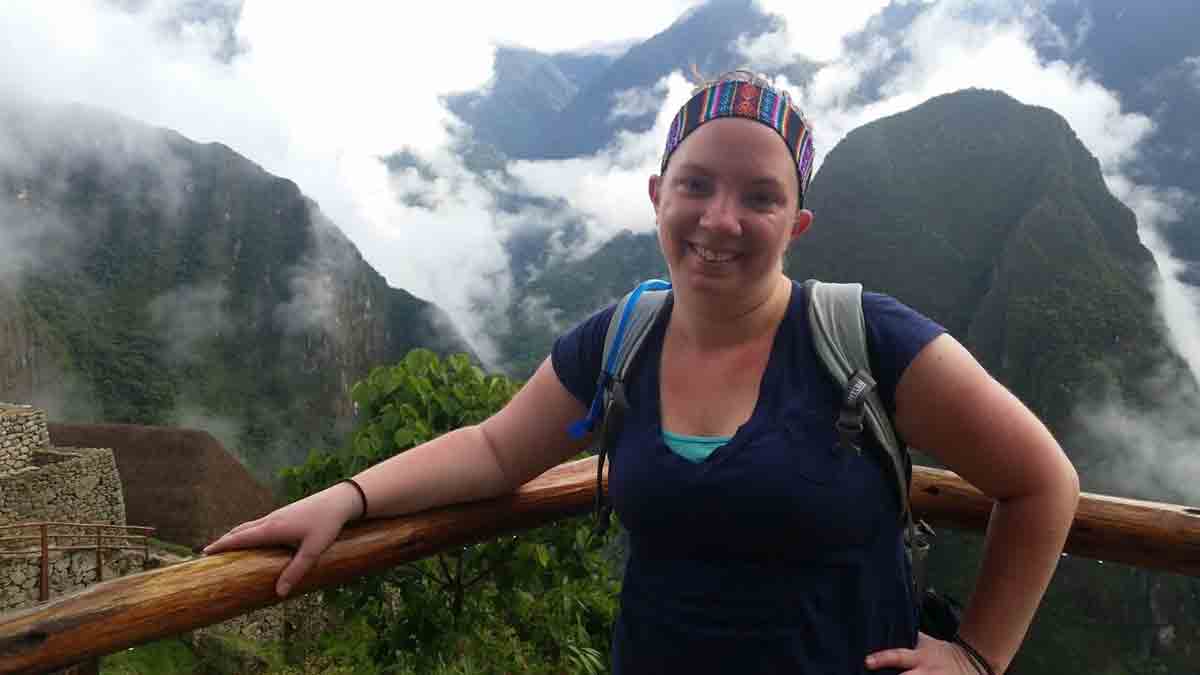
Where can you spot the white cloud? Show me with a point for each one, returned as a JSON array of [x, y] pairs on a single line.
[[1178, 303], [815, 31], [189, 317], [550, 26], [635, 102], [23, 232], [768, 51], [1144, 453], [1193, 63], [948, 52], [609, 188]]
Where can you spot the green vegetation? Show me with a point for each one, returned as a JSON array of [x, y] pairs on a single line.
[[169, 657], [158, 545], [208, 653], [538, 603]]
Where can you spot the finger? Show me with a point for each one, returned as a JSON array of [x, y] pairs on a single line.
[[246, 525], [237, 528], [893, 658], [253, 534], [304, 560]]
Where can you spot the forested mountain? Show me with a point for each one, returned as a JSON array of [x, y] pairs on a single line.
[[527, 88], [154, 280], [1148, 52], [1145, 52], [590, 116], [992, 217]]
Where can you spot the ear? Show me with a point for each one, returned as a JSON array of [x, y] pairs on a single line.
[[655, 181], [800, 225]]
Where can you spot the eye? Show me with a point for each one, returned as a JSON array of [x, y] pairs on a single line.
[[694, 184], [761, 200]]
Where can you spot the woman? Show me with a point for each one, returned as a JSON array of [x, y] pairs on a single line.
[[752, 545]]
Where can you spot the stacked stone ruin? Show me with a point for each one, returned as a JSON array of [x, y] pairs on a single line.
[[81, 485], [40, 483]]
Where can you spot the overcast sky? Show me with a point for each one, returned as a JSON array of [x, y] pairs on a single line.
[[320, 90]]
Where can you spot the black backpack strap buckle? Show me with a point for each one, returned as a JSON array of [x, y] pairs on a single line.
[[850, 422], [615, 406]]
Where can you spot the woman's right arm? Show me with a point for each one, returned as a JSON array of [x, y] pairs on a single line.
[[513, 446]]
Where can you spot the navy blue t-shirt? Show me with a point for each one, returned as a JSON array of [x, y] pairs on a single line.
[[778, 553]]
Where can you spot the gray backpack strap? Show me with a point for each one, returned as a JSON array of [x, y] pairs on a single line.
[[840, 338], [627, 330], [628, 327], [839, 335]]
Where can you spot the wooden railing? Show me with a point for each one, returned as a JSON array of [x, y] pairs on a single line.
[[151, 605], [52, 537]]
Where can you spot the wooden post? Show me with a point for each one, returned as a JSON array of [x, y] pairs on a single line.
[[99, 553], [44, 580]]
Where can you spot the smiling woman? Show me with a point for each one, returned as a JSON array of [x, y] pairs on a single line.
[[757, 544], [727, 209]]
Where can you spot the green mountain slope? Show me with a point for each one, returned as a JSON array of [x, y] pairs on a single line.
[[186, 284], [993, 218]]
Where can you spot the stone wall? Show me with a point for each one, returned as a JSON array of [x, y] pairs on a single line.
[[73, 485], [69, 571], [300, 619], [22, 432], [66, 485]]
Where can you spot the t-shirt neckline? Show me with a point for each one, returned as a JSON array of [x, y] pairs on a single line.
[[766, 387]]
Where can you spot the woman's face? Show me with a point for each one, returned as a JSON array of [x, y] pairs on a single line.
[[727, 208]]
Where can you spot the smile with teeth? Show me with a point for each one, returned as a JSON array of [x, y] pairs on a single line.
[[710, 255]]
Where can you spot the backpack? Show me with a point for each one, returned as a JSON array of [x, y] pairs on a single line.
[[839, 335]]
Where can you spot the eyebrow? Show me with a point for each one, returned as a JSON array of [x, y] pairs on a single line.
[[692, 166], [760, 180], [767, 181]]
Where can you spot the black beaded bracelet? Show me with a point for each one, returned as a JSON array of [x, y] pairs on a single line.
[[981, 664], [361, 494]]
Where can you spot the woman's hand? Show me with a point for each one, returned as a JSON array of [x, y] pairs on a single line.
[[309, 525], [930, 657]]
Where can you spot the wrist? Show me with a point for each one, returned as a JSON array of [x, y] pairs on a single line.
[[350, 499], [977, 660]]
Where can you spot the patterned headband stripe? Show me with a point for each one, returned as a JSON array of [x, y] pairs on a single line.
[[732, 98], [806, 164], [798, 146]]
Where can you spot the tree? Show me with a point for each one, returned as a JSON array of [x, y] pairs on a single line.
[[541, 602]]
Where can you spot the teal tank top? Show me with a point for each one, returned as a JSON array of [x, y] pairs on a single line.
[[693, 448]]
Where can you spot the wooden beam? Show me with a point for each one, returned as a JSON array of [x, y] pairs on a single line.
[[139, 608], [1145, 534]]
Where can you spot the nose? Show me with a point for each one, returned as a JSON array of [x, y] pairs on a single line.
[[721, 214]]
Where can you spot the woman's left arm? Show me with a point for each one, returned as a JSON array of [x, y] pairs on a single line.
[[949, 406]]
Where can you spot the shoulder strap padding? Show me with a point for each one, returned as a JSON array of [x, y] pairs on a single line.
[[839, 335], [630, 323]]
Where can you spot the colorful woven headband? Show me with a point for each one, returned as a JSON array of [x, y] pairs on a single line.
[[755, 100]]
